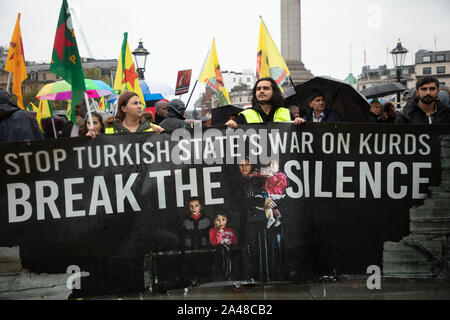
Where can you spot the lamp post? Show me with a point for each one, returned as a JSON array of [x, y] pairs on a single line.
[[140, 55], [399, 56]]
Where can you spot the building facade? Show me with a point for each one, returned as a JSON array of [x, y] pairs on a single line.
[[39, 74], [435, 64], [427, 63]]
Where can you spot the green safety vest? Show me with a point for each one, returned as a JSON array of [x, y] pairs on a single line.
[[252, 116]]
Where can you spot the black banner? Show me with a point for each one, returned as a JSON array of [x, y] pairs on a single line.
[[298, 202]]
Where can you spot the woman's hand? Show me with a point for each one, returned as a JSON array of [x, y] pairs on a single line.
[[91, 133], [157, 129], [269, 204]]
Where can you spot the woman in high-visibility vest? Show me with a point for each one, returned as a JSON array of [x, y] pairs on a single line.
[[129, 117]]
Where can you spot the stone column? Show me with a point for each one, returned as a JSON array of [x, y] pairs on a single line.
[[291, 44]]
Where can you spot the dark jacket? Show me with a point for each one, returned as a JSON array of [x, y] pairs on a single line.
[[374, 119], [195, 233], [411, 113], [175, 116], [330, 116], [16, 124]]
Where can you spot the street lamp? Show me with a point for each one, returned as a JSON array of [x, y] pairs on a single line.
[[399, 57], [140, 55]]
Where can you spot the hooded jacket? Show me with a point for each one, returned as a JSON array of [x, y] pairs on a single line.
[[16, 124], [411, 113], [175, 116]]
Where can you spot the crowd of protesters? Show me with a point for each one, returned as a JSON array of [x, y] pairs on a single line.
[[427, 105]]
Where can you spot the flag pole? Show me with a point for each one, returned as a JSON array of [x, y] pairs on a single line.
[[193, 89], [9, 81], [88, 110], [54, 128]]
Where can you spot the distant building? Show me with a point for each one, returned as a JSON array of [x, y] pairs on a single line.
[[382, 74], [233, 79], [427, 63], [435, 64], [39, 73], [352, 80]]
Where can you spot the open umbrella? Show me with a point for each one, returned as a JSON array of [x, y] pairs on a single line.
[[339, 96], [61, 90], [148, 95], [383, 89], [220, 115], [156, 90]]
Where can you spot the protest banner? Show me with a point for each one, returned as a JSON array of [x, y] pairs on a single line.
[[342, 191], [183, 82]]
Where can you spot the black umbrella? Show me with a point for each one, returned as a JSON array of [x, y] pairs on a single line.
[[220, 115], [339, 96], [383, 89]]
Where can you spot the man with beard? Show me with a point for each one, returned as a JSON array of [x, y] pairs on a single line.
[[427, 109], [267, 106]]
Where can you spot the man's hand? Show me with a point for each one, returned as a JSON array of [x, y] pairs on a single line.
[[232, 124], [299, 121]]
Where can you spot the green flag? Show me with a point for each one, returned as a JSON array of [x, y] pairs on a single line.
[[66, 61]]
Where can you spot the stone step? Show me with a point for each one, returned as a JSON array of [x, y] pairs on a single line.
[[396, 246], [445, 162], [25, 280], [431, 226], [445, 184], [424, 214], [412, 256], [436, 204], [54, 293], [423, 268], [10, 267], [9, 254]]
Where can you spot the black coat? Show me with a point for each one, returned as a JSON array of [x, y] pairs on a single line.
[[411, 113], [195, 233], [16, 124], [330, 116]]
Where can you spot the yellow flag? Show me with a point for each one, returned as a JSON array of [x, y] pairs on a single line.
[[212, 76], [15, 63], [127, 78], [44, 112], [101, 105], [270, 63], [35, 109]]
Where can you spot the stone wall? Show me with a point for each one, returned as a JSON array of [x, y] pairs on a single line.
[[425, 253]]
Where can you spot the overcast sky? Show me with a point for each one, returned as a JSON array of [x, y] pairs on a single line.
[[178, 33]]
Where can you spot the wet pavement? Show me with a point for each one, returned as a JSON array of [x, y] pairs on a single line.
[[342, 288]]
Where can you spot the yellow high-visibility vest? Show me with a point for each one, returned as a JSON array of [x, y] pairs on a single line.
[[110, 130], [252, 116]]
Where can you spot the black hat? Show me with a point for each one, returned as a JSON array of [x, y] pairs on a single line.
[[314, 94]]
